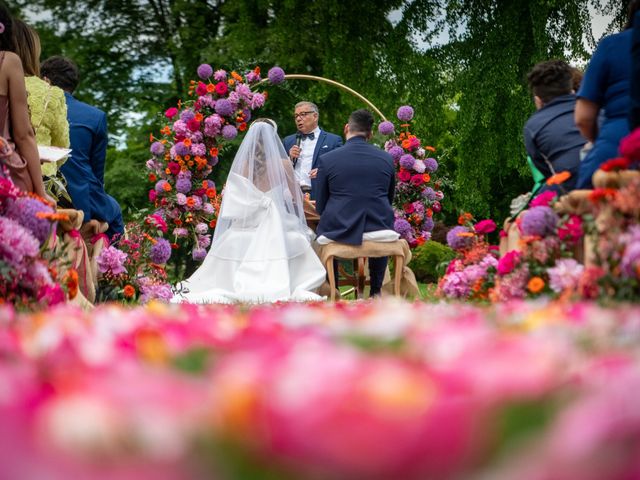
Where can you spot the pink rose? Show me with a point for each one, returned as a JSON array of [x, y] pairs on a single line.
[[508, 262], [630, 145], [221, 88], [404, 175], [417, 180], [171, 112], [485, 226]]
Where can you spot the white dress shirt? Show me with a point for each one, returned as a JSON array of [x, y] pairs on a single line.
[[305, 160]]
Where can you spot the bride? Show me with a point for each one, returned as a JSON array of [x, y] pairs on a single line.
[[261, 250]]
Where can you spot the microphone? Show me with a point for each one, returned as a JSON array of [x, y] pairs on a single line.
[[298, 141]]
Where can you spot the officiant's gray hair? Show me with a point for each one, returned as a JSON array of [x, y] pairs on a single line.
[[311, 105]]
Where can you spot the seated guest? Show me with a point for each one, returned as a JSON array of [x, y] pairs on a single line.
[[551, 137], [355, 188], [15, 125], [307, 144], [605, 87], [47, 108], [84, 170]]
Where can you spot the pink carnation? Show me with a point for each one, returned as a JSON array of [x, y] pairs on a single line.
[[508, 262], [544, 199], [485, 226]]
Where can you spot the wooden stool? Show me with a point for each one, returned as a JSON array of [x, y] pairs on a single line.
[[359, 253]]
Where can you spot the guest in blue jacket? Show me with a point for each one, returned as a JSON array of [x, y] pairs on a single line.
[[84, 171], [551, 137], [606, 87]]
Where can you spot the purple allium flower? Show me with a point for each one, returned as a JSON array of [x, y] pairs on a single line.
[[16, 242], [187, 115], [405, 113], [565, 275], [401, 226], [24, 210], [183, 185], [396, 152], [455, 240], [180, 232], [257, 100], [199, 254], [181, 199], [538, 221], [234, 100], [205, 71], [224, 107], [160, 252], [429, 193], [160, 185], [386, 128], [220, 75], [181, 149], [418, 166], [431, 164], [185, 174], [202, 228], [157, 148], [631, 260], [111, 260], [229, 132], [213, 161], [428, 224], [407, 161], [204, 241], [276, 75]]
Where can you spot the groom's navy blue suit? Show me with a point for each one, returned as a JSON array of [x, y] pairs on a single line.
[[354, 193], [326, 143]]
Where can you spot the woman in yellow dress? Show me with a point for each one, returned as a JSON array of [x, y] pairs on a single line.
[[47, 108]]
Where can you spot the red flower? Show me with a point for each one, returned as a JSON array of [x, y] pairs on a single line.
[[172, 112], [572, 230], [193, 125], [602, 193], [408, 208], [221, 88], [174, 168], [485, 226], [630, 145], [616, 164], [201, 89], [152, 195], [404, 175], [417, 180], [508, 262]]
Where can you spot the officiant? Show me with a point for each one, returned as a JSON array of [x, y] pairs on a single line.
[[307, 144]]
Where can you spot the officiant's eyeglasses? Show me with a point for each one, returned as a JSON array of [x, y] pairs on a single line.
[[302, 114]]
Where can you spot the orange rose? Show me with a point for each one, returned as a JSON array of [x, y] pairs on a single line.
[[190, 203], [211, 192], [535, 285], [187, 142], [129, 291], [426, 177], [213, 151], [211, 88], [199, 117], [166, 187]]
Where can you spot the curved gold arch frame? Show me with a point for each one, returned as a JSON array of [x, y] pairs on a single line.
[[299, 76]]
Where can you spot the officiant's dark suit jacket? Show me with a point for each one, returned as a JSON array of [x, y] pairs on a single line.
[[84, 170], [355, 188], [326, 143]]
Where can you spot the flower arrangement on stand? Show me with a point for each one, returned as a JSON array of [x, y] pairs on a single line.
[[183, 156], [471, 274], [29, 262], [134, 270], [418, 196]]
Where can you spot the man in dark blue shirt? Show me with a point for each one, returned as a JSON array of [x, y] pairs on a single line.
[[551, 137]]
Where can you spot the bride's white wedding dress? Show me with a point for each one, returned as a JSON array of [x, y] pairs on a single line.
[[261, 251]]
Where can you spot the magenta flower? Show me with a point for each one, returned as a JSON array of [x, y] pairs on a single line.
[[171, 112], [205, 71], [508, 262], [276, 75], [386, 128], [485, 226], [405, 113], [543, 200]]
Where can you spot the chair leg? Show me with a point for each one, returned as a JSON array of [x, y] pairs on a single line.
[[361, 278], [332, 279], [399, 267]]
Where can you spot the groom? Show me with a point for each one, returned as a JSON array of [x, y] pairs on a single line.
[[355, 189], [307, 144]]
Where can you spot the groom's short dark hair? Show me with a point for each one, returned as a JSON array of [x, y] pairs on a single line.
[[61, 72], [361, 121]]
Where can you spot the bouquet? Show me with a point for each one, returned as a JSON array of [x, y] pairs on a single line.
[[417, 196]]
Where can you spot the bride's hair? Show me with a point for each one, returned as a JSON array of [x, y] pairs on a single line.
[[260, 167], [266, 120]]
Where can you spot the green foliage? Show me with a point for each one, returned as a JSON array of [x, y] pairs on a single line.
[[427, 259]]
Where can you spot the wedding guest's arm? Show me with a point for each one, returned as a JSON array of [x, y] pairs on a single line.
[[22, 131], [99, 149], [322, 187], [392, 185], [587, 118]]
